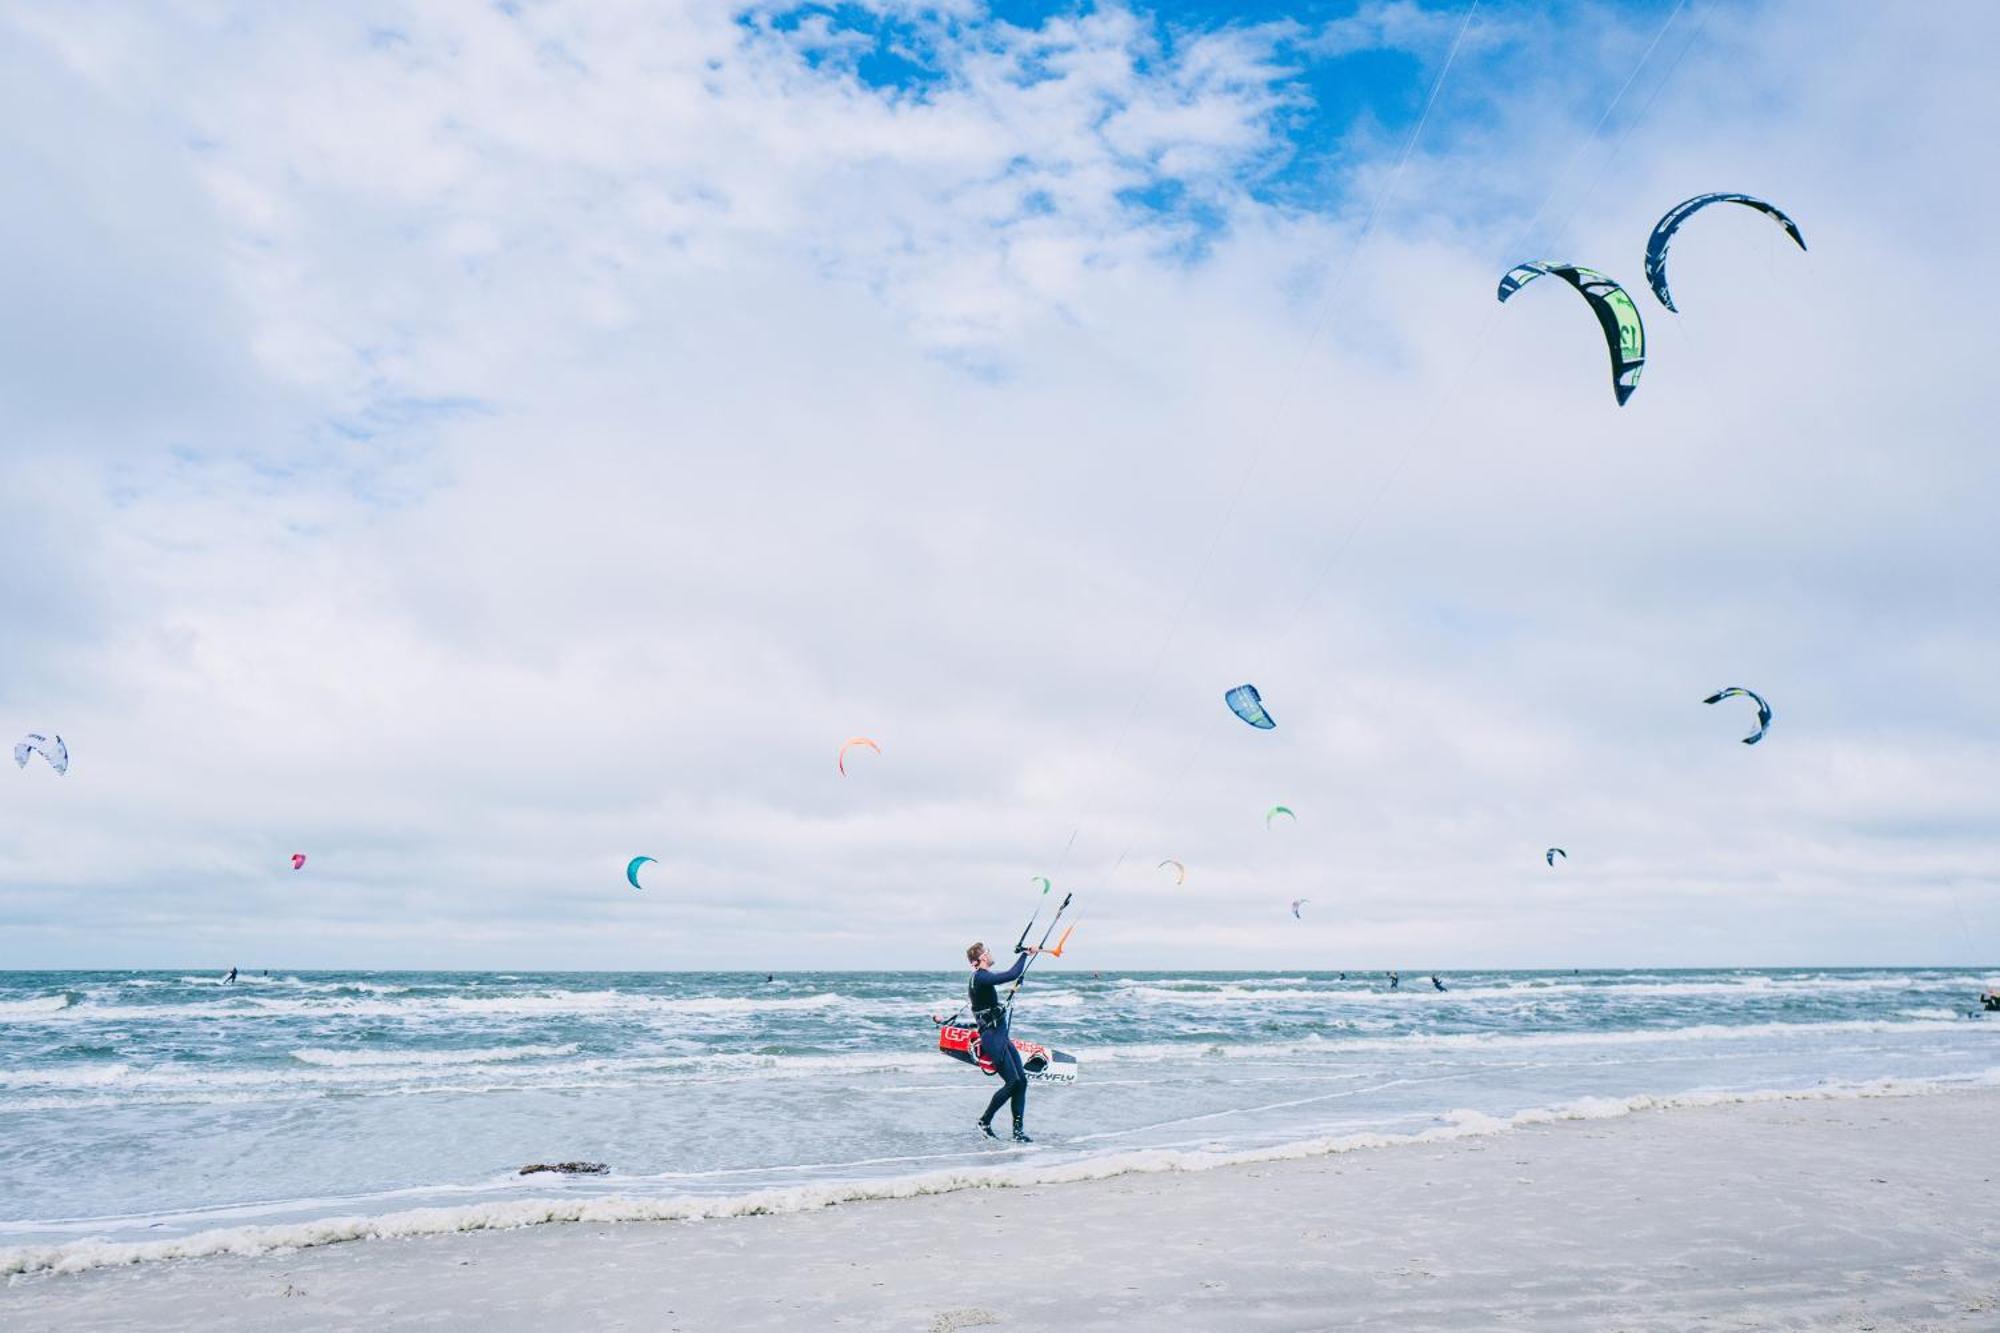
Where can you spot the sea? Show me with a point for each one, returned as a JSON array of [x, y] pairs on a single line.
[[157, 1115]]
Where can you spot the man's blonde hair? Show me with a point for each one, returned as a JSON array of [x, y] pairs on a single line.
[[972, 954]]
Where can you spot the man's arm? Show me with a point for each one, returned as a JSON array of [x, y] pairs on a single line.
[[1002, 978]]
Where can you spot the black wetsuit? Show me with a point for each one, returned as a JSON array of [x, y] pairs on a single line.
[[991, 1015]]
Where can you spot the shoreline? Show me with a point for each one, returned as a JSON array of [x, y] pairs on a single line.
[[1836, 1207], [1009, 1171]]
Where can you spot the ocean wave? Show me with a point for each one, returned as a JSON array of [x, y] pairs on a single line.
[[66, 1076], [1228, 995], [1222, 981], [39, 1005], [1314, 1043], [85, 1255], [1934, 1013], [244, 1006], [1192, 991], [426, 1059], [320, 1072]]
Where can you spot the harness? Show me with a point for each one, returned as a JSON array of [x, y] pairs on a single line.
[[985, 1017]]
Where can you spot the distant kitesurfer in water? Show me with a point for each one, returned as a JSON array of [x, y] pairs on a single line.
[[1435, 982], [990, 1014], [1395, 980], [230, 980]]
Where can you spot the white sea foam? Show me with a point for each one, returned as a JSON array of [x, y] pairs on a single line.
[[426, 1059], [81, 1256], [319, 1072], [39, 1005], [1176, 983], [425, 1008], [65, 1076], [1932, 1013], [1945, 1020], [1194, 991]]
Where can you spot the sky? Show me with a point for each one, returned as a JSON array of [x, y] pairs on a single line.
[[476, 444]]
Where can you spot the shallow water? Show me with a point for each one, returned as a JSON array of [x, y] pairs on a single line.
[[157, 1106]]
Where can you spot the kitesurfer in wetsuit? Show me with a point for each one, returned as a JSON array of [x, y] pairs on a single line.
[[1435, 982], [230, 980], [1395, 980], [990, 1014]]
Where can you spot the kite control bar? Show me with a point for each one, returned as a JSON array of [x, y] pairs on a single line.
[[1019, 948]]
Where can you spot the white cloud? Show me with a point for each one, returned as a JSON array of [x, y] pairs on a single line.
[[474, 447]]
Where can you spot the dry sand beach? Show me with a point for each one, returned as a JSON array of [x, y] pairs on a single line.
[[1870, 1213]]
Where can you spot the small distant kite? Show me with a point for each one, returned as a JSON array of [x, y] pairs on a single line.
[[1180, 871], [50, 748], [1624, 331], [1042, 880], [841, 758], [1277, 810], [1763, 709], [298, 860], [1663, 235], [1298, 903], [1552, 853], [632, 870], [1247, 704]]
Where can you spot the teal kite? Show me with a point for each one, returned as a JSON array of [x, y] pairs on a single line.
[[1246, 703]]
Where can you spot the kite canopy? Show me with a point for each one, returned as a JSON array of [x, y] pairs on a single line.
[[1624, 332], [1298, 903], [1042, 880], [298, 860], [841, 758], [1552, 853], [632, 870], [1763, 709], [50, 748], [1247, 704], [1180, 871], [1663, 235], [1277, 810]]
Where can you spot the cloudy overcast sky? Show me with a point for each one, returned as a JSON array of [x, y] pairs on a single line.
[[475, 444]]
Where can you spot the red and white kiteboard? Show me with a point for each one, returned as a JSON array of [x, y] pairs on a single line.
[[1044, 1064]]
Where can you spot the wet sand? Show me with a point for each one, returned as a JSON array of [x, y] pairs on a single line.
[[1877, 1213]]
